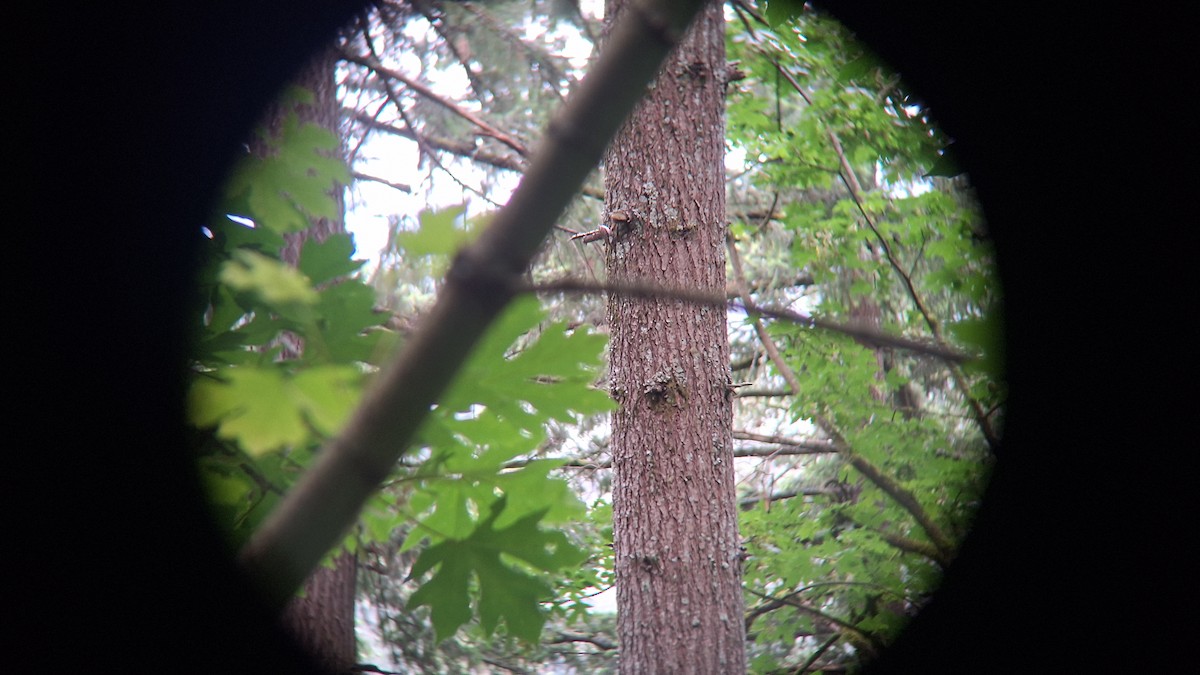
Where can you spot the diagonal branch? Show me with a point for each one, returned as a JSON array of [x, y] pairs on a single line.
[[423, 146], [914, 546], [484, 128], [325, 502], [441, 27], [466, 149], [471, 151]]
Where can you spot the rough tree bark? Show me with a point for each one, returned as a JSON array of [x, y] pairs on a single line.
[[678, 566], [322, 621]]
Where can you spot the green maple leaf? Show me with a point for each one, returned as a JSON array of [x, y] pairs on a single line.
[[504, 591], [276, 283], [287, 187], [347, 315], [439, 234], [246, 405], [322, 261], [553, 374], [265, 408]]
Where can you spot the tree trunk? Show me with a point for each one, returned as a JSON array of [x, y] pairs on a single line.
[[678, 566], [323, 620]]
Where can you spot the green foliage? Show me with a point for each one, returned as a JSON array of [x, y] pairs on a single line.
[[266, 408], [439, 234], [505, 591], [282, 188], [908, 254], [261, 416], [779, 12]]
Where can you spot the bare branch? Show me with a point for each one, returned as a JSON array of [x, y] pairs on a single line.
[[467, 149], [812, 491], [860, 637], [860, 332], [564, 637], [787, 446], [892, 488], [763, 393], [783, 450], [399, 186]]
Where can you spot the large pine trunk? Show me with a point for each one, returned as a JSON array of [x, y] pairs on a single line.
[[679, 597]]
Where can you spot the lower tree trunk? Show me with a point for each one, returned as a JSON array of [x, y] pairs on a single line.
[[323, 620]]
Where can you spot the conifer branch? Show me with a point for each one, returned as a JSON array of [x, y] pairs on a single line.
[[484, 127], [467, 149], [551, 74]]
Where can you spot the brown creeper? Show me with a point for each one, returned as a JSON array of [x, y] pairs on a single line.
[[604, 231]]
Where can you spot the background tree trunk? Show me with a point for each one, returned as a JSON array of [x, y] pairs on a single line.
[[323, 620], [678, 567]]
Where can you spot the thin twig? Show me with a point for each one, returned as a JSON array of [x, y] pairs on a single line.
[[438, 24], [804, 667], [466, 149], [423, 146]]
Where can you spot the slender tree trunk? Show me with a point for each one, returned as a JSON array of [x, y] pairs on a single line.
[[323, 620], [678, 566]]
